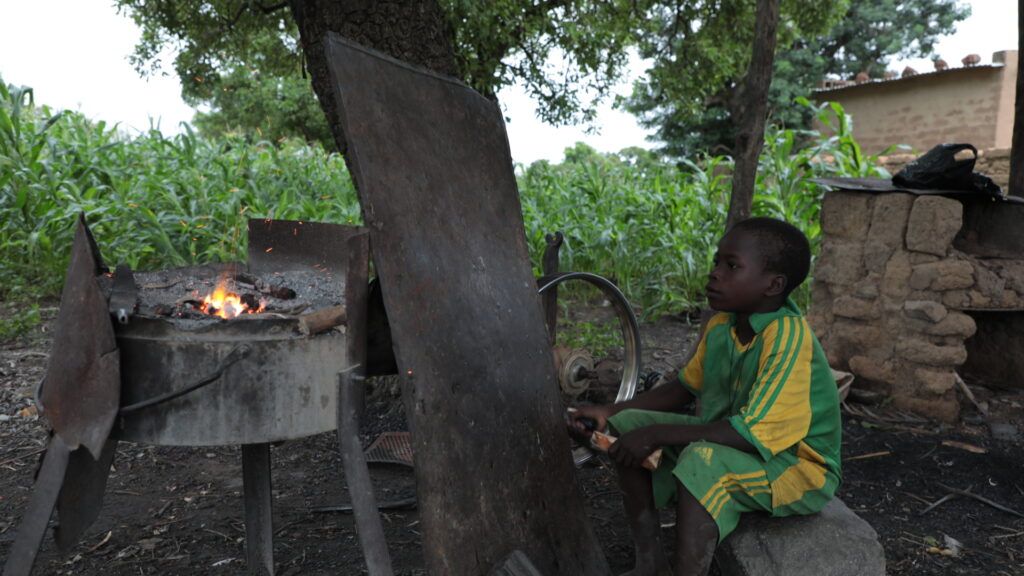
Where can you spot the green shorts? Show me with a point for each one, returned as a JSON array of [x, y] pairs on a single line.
[[726, 481]]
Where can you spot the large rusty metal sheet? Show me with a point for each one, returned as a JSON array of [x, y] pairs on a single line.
[[82, 391], [431, 162]]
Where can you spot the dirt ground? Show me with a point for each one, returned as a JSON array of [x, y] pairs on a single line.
[[172, 511]]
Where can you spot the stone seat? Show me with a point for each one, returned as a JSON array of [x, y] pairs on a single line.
[[833, 542]]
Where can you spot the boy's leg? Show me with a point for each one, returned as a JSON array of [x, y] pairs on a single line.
[[696, 535], [644, 522]]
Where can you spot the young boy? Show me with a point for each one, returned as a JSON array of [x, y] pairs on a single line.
[[767, 436]]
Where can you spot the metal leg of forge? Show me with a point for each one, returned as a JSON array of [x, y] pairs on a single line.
[[40, 508], [259, 530]]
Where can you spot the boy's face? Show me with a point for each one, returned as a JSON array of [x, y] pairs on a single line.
[[738, 281]]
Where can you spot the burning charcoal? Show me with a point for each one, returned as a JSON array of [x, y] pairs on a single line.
[[281, 292], [250, 301]]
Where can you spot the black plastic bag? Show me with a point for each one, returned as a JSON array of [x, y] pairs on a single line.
[[938, 169]]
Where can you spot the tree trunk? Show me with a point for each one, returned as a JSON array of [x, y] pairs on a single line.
[[409, 30], [1017, 145], [513, 496], [750, 138]]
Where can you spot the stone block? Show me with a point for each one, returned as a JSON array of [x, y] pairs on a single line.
[[889, 218], [850, 307], [934, 222], [876, 254], [820, 315], [922, 258], [846, 215], [873, 369], [839, 262], [987, 281], [952, 275], [854, 338], [1009, 299], [925, 310], [954, 324], [922, 276], [979, 300], [895, 283], [956, 299], [930, 354], [867, 288], [834, 541], [936, 382]]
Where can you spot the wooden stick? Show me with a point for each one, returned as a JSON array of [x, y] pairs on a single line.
[[970, 494], [316, 322], [937, 503], [970, 395], [871, 455], [603, 442]]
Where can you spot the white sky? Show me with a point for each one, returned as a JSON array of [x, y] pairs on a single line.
[[73, 53]]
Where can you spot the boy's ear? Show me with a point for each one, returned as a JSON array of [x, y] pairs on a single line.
[[776, 285]]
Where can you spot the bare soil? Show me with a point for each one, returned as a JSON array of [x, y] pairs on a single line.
[[172, 511]]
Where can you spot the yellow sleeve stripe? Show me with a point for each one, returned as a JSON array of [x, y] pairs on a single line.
[[774, 365], [781, 414]]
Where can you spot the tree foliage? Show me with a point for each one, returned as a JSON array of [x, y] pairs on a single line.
[[567, 54], [866, 38]]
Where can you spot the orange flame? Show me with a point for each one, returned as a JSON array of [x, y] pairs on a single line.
[[226, 305]]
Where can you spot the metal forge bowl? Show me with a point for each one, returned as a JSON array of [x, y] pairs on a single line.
[[247, 380], [265, 381]]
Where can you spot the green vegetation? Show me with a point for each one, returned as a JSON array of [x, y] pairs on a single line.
[[151, 201], [157, 202]]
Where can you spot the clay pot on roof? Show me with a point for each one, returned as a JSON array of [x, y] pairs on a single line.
[[971, 59]]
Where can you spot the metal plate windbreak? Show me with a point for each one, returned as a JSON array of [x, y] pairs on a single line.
[[431, 162]]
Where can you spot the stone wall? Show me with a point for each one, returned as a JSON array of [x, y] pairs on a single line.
[[891, 295]]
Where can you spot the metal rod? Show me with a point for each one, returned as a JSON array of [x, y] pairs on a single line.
[[259, 530], [236, 354], [357, 476]]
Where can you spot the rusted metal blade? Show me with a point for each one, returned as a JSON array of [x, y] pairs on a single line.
[[83, 383], [81, 496], [431, 162], [33, 523]]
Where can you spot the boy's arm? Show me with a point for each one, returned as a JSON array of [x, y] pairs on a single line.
[[667, 397], [632, 447]]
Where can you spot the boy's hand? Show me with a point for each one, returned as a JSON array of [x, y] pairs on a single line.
[[583, 420], [633, 447]]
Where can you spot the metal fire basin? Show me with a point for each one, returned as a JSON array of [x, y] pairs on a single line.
[[252, 379], [274, 384]]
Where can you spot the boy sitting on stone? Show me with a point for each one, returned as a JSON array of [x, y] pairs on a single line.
[[767, 437]]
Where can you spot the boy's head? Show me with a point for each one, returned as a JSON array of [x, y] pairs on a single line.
[[758, 263]]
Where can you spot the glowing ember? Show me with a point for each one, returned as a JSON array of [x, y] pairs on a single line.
[[226, 305]]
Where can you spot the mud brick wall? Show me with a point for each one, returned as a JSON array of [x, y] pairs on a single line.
[[891, 295]]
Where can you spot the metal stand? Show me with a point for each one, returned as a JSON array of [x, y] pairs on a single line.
[[40, 508], [357, 476], [259, 530]]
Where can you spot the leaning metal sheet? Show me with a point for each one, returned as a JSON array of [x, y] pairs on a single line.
[[432, 165], [83, 385]]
